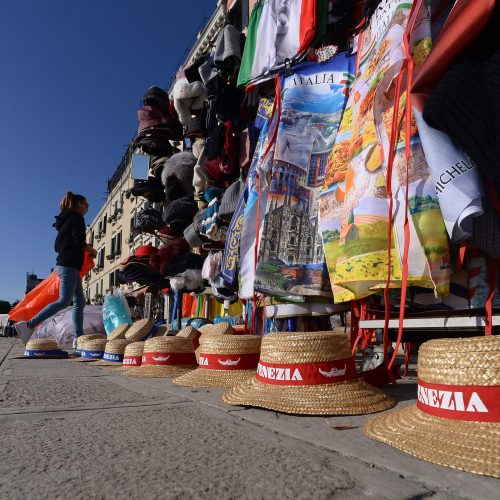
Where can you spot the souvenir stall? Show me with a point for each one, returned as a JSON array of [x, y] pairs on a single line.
[[325, 190]]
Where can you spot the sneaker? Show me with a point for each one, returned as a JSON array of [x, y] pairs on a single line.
[[24, 331], [74, 343]]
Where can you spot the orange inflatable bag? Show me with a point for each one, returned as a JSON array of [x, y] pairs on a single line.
[[45, 293]]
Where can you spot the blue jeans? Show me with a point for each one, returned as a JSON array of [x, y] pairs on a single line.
[[70, 289]]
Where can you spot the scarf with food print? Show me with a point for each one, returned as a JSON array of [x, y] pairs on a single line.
[[354, 205], [291, 259]]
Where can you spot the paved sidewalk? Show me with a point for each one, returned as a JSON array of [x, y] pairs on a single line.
[[72, 430]]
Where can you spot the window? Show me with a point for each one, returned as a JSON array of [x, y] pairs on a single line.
[[309, 240], [294, 223], [100, 258], [292, 240], [118, 244], [308, 251], [91, 238], [112, 279]]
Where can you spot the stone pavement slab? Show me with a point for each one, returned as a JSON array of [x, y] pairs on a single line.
[[98, 434]]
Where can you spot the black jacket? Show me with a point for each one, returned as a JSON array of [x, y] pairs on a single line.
[[70, 242]]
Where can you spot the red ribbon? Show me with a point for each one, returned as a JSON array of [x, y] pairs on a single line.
[[248, 361], [168, 358], [132, 360], [476, 403], [325, 372]]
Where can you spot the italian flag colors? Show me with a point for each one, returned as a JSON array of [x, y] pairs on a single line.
[[278, 30]]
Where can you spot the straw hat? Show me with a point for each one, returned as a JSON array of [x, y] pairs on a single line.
[[456, 421], [162, 330], [119, 332], [192, 334], [219, 329], [42, 349], [138, 330], [165, 357], [114, 352], [92, 350], [225, 361], [132, 356], [82, 338], [308, 373]]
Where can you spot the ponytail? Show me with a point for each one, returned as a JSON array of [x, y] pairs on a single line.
[[70, 201]]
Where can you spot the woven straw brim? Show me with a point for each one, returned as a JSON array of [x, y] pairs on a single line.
[[138, 330], [160, 371], [119, 332], [353, 397], [86, 360], [201, 377], [469, 446], [102, 362], [21, 356]]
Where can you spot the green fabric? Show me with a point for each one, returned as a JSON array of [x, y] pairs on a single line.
[[321, 21], [251, 42]]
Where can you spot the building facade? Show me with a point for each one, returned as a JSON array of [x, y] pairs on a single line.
[[110, 233]]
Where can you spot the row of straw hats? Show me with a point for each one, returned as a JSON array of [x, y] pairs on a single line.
[[456, 421]]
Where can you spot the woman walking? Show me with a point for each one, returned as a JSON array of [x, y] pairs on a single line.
[[70, 246]]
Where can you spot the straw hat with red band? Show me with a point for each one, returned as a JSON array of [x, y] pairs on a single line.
[[119, 332], [311, 374], [456, 420], [114, 352], [138, 330], [165, 357], [225, 360], [132, 356]]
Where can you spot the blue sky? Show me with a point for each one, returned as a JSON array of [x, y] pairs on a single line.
[[72, 76]]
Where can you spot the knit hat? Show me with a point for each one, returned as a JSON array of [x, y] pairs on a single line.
[[311, 374], [191, 72], [158, 97], [148, 219], [227, 47], [165, 357], [224, 361], [192, 232], [195, 127], [152, 189], [200, 178], [230, 200], [184, 262], [179, 214], [456, 420], [149, 116], [177, 175], [188, 97]]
